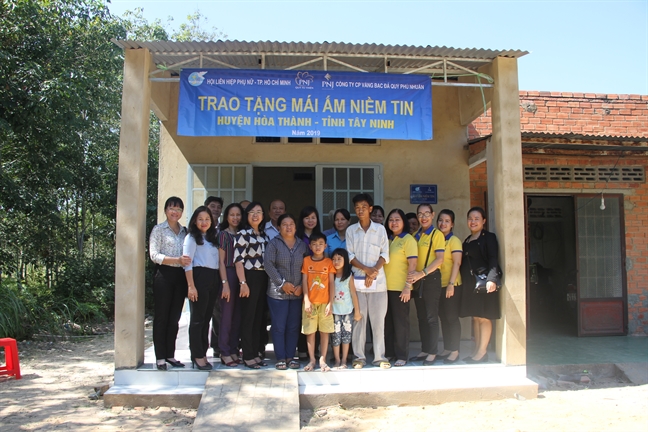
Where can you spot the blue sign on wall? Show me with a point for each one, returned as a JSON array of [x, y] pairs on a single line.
[[278, 103], [423, 194]]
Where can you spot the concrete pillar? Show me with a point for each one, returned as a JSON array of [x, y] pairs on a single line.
[[506, 210], [131, 211]]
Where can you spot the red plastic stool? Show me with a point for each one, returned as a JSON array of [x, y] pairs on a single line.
[[11, 355]]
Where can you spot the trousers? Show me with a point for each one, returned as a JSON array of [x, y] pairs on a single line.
[[373, 306]]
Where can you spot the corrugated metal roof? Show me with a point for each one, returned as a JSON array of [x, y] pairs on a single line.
[[282, 55], [584, 137]]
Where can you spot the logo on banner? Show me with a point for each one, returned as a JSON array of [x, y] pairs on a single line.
[[304, 80], [327, 83], [196, 78]]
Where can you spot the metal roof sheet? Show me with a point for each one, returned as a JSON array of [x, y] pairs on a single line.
[[543, 137], [283, 55], [584, 137]]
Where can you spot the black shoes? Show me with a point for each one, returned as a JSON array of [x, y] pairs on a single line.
[[254, 365], [175, 363], [418, 358], [161, 367], [208, 366]]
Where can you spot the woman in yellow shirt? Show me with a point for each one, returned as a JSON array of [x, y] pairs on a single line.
[[431, 249], [451, 280], [403, 255]]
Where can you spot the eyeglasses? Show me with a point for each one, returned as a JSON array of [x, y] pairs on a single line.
[[175, 209], [256, 213], [424, 214]]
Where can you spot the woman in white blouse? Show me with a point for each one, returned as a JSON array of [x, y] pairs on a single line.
[[169, 283], [203, 280]]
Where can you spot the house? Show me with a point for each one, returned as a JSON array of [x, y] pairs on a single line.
[[584, 159]]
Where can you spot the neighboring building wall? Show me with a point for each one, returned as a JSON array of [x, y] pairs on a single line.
[[587, 114], [576, 113]]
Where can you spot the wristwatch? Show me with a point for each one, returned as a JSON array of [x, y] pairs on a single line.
[[224, 281], [242, 283]]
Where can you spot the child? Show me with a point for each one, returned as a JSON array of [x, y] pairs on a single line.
[[318, 277], [345, 301]]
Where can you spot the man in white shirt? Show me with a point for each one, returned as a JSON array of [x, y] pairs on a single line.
[[277, 208], [368, 248]]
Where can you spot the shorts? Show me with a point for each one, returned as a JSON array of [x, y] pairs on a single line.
[[342, 333], [316, 320]]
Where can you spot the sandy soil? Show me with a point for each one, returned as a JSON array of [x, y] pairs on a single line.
[[59, 379]]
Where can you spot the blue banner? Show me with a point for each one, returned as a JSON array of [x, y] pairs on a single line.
[[279, 103]]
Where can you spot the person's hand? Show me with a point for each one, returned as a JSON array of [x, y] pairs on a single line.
[[288, 288], [406, 294], [298, 291], [192, 294], [368, 281], [328, 311], [450, 291], [184, 260], [308, 307], [414, 276], [357, 316], [245, 291], [226, 292], [491, 287], [371, 272]]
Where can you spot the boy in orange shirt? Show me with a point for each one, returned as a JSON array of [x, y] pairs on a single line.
[[318, 277]]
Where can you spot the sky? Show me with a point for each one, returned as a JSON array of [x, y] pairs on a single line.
[[574, 46]]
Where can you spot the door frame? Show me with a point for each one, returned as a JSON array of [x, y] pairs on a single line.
[[527, 245], [617, 199]]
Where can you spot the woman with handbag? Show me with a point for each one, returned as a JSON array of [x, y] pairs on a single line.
[[427, 280], [480, 274], [451, 295]]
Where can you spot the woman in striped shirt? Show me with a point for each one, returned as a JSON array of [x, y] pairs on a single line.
[[230, 320]]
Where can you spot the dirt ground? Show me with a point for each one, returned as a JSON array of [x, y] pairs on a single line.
[[59, 379]]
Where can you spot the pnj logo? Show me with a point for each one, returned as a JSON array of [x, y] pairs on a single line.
[[196, 78], [303, 79], [327, 83]]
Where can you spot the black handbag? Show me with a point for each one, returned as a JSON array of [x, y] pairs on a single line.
[[481, 278]]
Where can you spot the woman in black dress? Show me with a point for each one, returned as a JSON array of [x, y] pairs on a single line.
[[480, 251]]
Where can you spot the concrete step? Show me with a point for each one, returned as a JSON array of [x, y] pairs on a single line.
[[413, 385], [237, 400], [149, 387]]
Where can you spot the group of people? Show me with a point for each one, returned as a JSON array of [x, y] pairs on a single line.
[[338, 286]]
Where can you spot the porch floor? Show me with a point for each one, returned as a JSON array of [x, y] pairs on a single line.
[[552, 345]]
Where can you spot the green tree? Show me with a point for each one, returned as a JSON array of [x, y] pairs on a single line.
[[59, 87], [60, 104]]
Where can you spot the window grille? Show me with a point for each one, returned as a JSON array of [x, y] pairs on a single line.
[[631, 174]]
